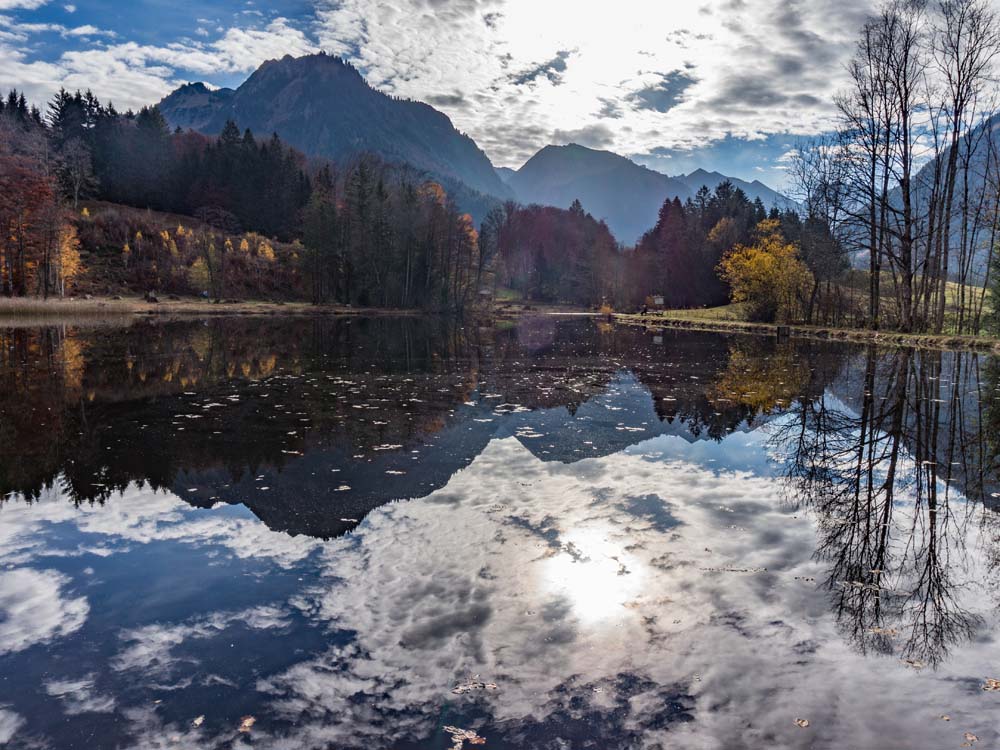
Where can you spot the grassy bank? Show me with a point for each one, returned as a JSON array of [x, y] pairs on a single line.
[[19, 309], [725, 319]]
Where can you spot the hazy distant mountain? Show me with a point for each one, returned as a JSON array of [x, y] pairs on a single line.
[[626, 195], [505, 174], [982, 140], [754, 190], [322, 106]]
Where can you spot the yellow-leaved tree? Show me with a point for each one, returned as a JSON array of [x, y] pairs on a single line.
[[769, 276], [68, 264]]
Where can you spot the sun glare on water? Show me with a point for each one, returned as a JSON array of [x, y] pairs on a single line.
[[595, 574]]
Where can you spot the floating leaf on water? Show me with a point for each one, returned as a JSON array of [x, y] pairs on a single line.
[[891, 632], [969, 739], [460, 736], [945, 717], [199, 720], [803, 723], [246, 723], [915, 663], [991, 685], [473, 683]]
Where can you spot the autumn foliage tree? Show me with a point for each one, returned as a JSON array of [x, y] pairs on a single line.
[[38, 248], [768, 275]]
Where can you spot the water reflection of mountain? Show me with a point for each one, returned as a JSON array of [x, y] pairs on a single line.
[[795, 520], [313, 422], [333, 417]]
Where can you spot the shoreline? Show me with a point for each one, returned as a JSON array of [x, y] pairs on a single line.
[[20, 312], [940, 342], [16, 310]]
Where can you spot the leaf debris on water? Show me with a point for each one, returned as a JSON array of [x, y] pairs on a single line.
[[991, 685], [473, 683], [802, 723], [891, 632], [460, 736], [199, 720], [246, 723]]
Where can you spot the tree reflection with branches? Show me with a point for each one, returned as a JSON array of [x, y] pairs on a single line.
[[895, 475]]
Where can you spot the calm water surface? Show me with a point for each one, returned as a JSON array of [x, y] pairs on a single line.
[[404, 533]]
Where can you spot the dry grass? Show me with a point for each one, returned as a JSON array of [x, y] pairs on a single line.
[[18, 307], [669, 319], [17, 310]]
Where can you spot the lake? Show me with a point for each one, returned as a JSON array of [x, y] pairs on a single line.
[[555, 533]]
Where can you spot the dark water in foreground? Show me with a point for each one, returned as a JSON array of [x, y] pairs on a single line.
[[406, 534]]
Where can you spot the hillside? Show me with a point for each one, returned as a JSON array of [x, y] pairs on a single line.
[[322, 106], [624, 194]]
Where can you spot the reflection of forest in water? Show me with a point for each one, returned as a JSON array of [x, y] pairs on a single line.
[[96, 409], [884, 446]]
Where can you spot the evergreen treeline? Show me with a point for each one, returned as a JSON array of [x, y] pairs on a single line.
[[677, 258], [134, 159], [368, 233], [376, 236]]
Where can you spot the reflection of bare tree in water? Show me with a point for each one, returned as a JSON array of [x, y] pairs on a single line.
[[879, 477]]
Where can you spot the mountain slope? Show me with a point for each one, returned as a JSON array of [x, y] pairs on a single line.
[[624, 194], [193, 106], [753, 190], [505, 173], [322, 106]]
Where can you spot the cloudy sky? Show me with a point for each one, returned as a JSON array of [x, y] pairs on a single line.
[[722, 84]]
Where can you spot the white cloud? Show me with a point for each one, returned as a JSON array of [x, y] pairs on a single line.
[[79, 697], [22, 4], [88, 30], [69, 8], [34, 610], [150, 648], [10, 722], [655, 74], [132, 75]]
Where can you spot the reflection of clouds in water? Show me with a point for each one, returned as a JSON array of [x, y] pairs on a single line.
[[142, 516], [594, 573], [543, 578], [78, 696], [34, 608], [10, 722], [718, 609], [150, 648], [627, 594]]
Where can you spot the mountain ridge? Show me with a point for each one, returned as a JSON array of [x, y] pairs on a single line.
[[321, 105], [612, 187]]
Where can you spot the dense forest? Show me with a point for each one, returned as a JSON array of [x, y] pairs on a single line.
[[896, 225], [261, 218], [238, 216]]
